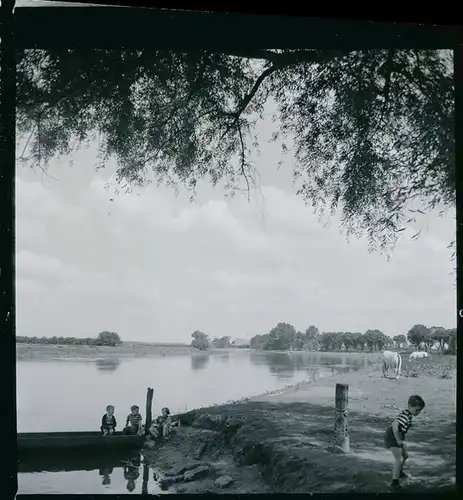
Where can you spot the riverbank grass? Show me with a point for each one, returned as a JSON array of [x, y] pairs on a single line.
[[44, 352]]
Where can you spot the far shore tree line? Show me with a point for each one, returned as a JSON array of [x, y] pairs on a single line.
[[104, 338], [284, 337]]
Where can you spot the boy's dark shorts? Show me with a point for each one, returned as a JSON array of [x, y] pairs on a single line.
[[389, 438]]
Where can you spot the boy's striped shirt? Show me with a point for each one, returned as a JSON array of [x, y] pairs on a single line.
[[134, 420], [404, 421]]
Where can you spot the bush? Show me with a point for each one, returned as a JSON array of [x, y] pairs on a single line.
[[104, 338], [108, 339]]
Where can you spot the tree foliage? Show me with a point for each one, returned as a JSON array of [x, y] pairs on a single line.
[[417, 335], [200, 340], [376, 340], [438, 337], [399, 339], [283, 338], [369, 130], [222, 342], [108, 338], [102, 339]]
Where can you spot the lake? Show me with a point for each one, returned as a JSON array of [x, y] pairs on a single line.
[[73, 395]]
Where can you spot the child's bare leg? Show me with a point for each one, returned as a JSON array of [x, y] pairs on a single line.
[[105, 432], [398, 462], [404, 457], [111, 431]]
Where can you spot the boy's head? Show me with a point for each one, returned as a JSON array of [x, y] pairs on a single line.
[[165, 412], [415, 404], [110, 409], [134, 409]]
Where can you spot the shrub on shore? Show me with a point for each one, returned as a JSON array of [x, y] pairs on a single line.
[[437, 366]]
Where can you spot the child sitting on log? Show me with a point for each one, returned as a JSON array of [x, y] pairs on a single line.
[[162, 425], [133, 423], [108, 422]]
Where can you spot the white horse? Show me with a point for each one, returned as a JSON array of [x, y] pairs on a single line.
[[418, 355], [392, 360]]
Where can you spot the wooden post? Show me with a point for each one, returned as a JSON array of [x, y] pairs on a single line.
[[149, 408], [144, 486], [341, 436]]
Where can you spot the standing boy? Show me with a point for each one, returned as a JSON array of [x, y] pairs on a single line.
[[395, 436]]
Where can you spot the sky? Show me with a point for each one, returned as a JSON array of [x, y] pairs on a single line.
[[154, 267]]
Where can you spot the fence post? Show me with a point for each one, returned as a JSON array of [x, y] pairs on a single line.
[[149, 408], [341, 436]]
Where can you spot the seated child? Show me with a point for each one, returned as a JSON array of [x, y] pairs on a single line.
[[108, 422], [162, 425], [133, 422]]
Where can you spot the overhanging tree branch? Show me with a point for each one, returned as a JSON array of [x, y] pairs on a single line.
[[248, 98]]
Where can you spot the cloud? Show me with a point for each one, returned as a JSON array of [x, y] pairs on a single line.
[[28, 262], [153, 266]]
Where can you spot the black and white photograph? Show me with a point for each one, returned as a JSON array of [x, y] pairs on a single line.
[[235, 269]]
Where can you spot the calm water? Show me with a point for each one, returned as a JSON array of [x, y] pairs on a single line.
[[72, 396]]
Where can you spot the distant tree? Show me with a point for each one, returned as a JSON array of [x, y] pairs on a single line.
[[375, 339], [350, 340], [221, 343], [417, 335], [331, 341], [298, 342], [360, 341], [389, 341], [106, 338], [200, 340], [281, 337], [255, 341], [439, 335], [399, 339], [312, 338], [452, 340]]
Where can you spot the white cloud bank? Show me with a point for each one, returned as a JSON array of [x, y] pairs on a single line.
[[154, 267]]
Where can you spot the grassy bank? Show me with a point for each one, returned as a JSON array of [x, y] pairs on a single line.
[[283, 439], [40, 352]]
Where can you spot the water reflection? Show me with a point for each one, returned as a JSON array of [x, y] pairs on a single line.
[[107, 364], [106, 473], [66, 473], [199, 361], [223, 357], [285, 364], [132, 472]]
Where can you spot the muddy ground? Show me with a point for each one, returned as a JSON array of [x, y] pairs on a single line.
[[282, 442]]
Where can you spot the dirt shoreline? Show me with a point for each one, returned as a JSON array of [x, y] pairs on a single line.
[[280, 442]]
